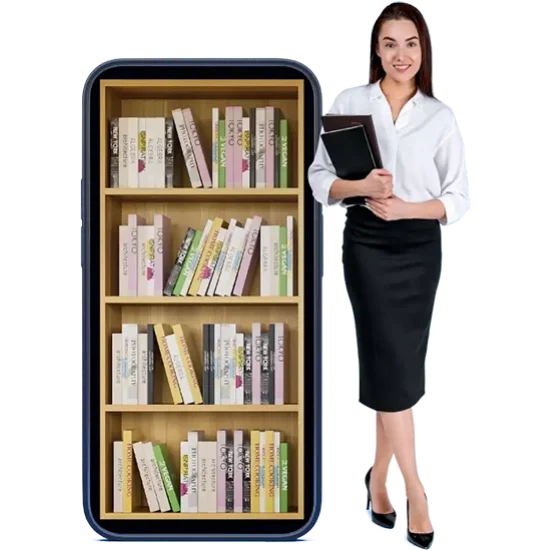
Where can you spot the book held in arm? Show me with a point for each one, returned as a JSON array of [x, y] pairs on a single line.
[[351, 154]]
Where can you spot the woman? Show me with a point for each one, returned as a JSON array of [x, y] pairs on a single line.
[[392, 242]]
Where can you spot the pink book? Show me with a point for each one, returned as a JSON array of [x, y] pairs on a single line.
[[197, 147], [279, 363], [238, 470], [238, 149], [229, 146], [256, 361], [270, 147], [133, 221], [163, 252], [222, 468], [123, 255], [250, 259]]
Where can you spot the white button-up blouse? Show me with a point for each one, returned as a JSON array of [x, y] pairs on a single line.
[[423, 150]]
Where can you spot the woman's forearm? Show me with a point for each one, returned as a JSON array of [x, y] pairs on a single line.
[[342, 189], [428, 210]]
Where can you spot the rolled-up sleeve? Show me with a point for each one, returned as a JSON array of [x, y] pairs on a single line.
[[451, 166], [321, 174]]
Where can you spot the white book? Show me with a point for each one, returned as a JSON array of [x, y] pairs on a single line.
[[130, 361], [256, 363], [217, 363], [143, 364], [225, 363], [156, 477], [239, 368], [263, 473], [193, 439], [146, 260], [177, 361], [124, 245], [207, 476], [260, 147], [187, 148], [277, 501], [154, 168], [196, 259], [146, 478], [246, 152], [214, 258], [215, 146], [118, 470], [124, 152], [265, 260], [236, 264], [233, 363], [184, 476], [132, 152], [232, 260], [221, 260], [290, 255], [116, 366]]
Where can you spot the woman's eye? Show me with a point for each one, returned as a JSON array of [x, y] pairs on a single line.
[[412, 43]]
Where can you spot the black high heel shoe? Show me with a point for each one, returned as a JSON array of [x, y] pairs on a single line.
[[423, 540], [384, 520]]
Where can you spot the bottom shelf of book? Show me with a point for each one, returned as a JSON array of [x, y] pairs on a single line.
[[200, 466]]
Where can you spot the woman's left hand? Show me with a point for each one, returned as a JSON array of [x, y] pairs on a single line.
[[392, 208]]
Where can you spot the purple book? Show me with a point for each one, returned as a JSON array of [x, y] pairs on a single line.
[[133, 221], [222, 468], [229, 146], [270, 147], [238, 469], [163, 252], [279, 363], [197, 147], [256, 362], [238, 148]]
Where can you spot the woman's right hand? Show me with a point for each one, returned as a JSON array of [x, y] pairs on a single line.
[[378, 184]]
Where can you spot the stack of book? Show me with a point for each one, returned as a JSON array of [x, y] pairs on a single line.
[[219, 259], [250, 149], [238, 367], [240, 471]]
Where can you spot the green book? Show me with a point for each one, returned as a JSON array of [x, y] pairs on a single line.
[[284, 477], [187, 262], [283, 156], [168, 475], [221, 150], [283, 267]]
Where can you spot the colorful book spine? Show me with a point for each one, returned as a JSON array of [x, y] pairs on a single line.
[[283, 155], [250, 259], [118, 476], [133, 152], [223, 154], [168, 475], [197, 147], [187, 148], [279, 363], [142, 152], [238, 147], [269, 471], [168, 152], [114, 147], [270, 147], [221, 441], [238, 469], [229, 146], [160, 333], [187, 263], [127, 458], [178, 265], [246, 153], [215, 147], [184, 476], [162, 252], [284, 477], [283, 258], [190, 374]]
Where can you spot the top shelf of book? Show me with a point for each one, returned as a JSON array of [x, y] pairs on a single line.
[[219, 134]]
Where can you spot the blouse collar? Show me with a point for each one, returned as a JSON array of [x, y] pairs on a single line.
[[377, 93]]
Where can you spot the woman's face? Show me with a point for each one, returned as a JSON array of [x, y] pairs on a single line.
[[399, 49]]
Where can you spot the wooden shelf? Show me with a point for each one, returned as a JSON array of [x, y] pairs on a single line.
[[190, 409], [202, 300], [191, 207], [220, 515], [201, 195]]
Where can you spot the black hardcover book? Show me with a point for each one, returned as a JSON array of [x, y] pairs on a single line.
[[271, 351], [205, 363], [211, 362], [247, 368], [351, 154], [246, 473]]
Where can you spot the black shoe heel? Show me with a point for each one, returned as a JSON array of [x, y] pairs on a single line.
[[422, 540], [383, 520]]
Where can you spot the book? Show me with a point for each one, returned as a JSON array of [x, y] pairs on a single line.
[[351, 154], [336, 122]]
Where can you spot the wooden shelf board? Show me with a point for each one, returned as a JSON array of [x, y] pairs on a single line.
[[202, 300], [188, 515], [202, 408], [208, 194]]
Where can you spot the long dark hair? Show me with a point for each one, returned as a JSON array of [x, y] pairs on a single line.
[[402, 10]]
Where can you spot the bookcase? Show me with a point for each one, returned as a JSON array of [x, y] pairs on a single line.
[[186, 206]]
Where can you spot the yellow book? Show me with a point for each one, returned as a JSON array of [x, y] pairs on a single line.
[[207, 251], [128, 471], [269, 471], [187, 364], [160, 333], [255, 465]]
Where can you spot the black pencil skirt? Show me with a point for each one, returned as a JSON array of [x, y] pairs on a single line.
[[391, 271]]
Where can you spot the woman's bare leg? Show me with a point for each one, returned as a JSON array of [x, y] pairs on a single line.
[[399, 429], [379, 494]]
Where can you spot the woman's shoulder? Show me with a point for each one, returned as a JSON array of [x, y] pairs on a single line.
[[347, 99], [439, 109]]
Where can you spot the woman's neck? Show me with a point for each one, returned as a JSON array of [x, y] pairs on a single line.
[[398, 91]]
